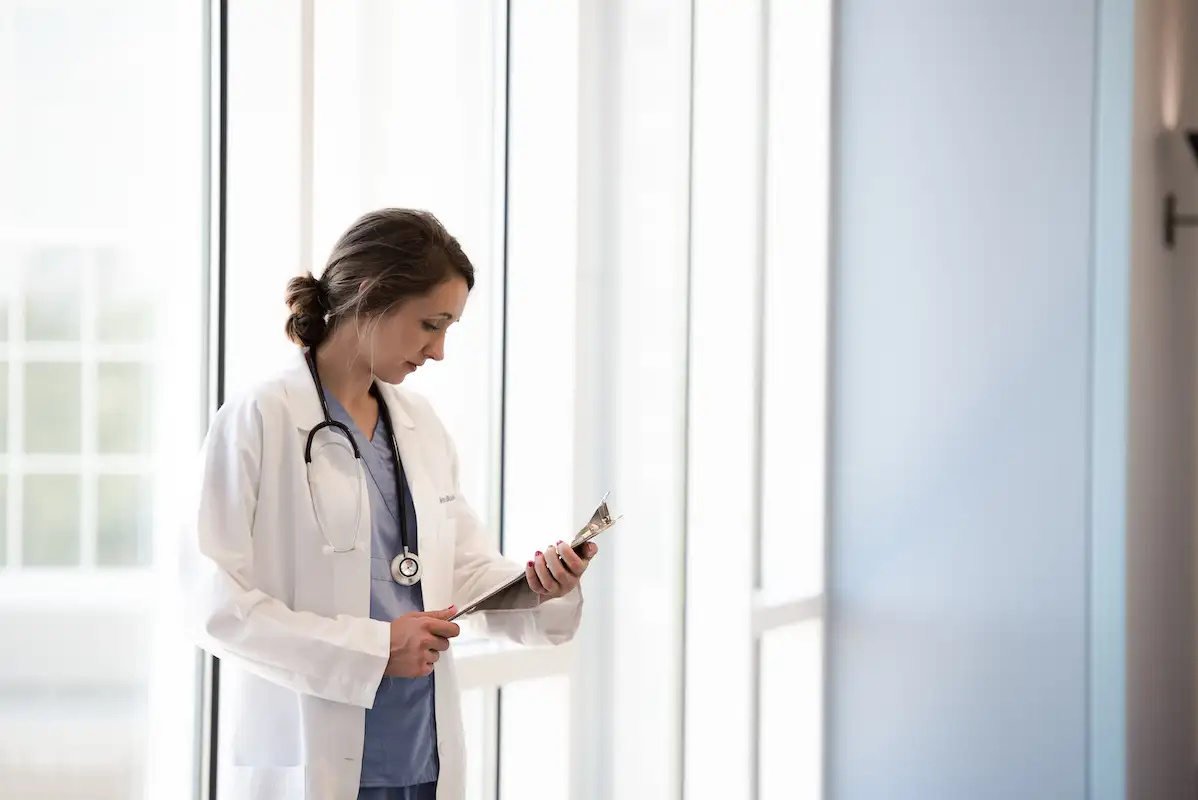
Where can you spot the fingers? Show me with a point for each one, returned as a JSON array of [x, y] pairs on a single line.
[[573, 561], [534, 583], [444, 613], [438, 627], [436, 643], [545, 575], [557, 570]]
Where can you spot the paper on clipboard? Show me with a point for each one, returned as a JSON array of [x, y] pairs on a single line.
[[600, 521]]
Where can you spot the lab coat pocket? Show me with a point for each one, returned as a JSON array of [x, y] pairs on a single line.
[[350, 579]]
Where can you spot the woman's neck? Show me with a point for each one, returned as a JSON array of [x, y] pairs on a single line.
[[342, 371]]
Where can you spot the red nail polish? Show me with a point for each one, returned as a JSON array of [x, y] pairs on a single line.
[[530, 563], [539, 552]]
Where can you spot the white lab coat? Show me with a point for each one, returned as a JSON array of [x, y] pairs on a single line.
[[300, 657]]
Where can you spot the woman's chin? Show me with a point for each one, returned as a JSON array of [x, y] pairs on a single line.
[[395, 374]]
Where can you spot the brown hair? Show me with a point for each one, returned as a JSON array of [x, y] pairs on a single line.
[[386, 257]]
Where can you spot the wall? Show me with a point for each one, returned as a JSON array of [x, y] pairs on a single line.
[[958, 575], [1161, 477]]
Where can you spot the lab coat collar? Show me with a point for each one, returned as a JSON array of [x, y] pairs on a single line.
[[305, 405]]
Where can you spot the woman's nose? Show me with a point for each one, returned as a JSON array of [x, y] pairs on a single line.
[[436, 349]]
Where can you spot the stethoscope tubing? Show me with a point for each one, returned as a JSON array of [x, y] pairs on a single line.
[[405, 568]]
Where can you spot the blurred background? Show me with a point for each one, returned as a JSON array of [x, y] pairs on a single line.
[[861, 310]]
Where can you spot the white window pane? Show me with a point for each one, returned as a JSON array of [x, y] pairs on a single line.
[[123, 534], [635, 268], [53, 417], [125, 299], [124, 406], [53, 294], [8, 272], [51, 522], [796, 297], [4, 406], [3, 520], [540, 394], [723, 387], [534, 739], [101, 190], [262, 246], [404, 115], [474, 719], [790, 718]]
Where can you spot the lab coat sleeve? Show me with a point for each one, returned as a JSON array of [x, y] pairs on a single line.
[[478, 567], [340, 659]]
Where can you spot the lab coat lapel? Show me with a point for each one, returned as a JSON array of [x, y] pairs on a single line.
[[302, 400], [330, 583]]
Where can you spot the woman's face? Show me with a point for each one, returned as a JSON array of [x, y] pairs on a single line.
[[414, 332]]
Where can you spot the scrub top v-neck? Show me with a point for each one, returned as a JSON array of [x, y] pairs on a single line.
[[401, 734]]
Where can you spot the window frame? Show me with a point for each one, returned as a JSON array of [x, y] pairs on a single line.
[[485, 666]]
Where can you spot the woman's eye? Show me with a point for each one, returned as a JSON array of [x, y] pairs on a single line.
[[431, 328]]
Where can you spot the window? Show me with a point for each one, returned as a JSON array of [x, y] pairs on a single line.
[[84, 415], [101, 367], [643, 188], [357, 105], [649, 318], [407, 111], [758, 383]]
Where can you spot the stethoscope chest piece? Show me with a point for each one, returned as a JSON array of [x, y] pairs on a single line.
[[405, 568]]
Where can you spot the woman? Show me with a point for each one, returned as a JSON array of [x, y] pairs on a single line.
[[331, 541]]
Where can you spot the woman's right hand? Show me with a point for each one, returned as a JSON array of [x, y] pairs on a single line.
[[417, 640]]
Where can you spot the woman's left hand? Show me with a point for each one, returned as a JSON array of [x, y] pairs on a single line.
[[550, 576]]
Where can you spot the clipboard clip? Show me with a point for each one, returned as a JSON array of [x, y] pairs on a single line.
[[600, 521]]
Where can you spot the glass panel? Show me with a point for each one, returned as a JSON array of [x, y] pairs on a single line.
[[126, 301], [125, 424], [10, 266], [125, 506], [263, 234], [474, 718], [542, 296], [790, 718], [534, 738], [53, 294], [4, 407], [794, 385], [723, 393], [3, 520], [51, 521], [375, 63], [53, 419], [101, 153]]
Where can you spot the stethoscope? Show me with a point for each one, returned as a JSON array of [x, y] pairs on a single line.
[[405, 567]]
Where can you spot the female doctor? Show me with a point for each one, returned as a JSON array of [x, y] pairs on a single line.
[[330, 541]]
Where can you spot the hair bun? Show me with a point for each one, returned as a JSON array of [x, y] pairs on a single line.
[[308, 302]]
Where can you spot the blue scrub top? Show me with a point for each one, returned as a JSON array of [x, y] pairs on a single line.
[[401, 730]]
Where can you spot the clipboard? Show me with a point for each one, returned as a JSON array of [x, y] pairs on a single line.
[[600, 521]]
